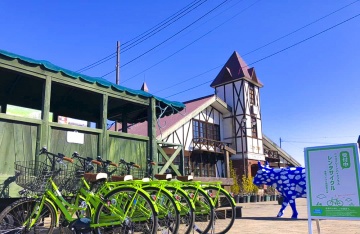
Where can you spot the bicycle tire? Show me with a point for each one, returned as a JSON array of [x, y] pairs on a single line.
[[168, 215], [204, 210], [125, 198], [13, 217], [187, 213], [224, 210]]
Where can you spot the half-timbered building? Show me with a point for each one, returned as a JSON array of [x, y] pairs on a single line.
[[224, 126]]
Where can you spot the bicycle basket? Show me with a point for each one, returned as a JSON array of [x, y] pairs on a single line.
[[137, 173], [68, 179], [33, 175]]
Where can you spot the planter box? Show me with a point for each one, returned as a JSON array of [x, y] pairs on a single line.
[[253, 198], [237, 198], [280, 200]]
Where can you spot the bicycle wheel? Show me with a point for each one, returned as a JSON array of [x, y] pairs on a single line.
[[138, 212], [187, 213], [168, 215], [224, 214], [14, 216], [204, 210]]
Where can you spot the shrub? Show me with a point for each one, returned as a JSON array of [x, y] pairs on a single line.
[[235, 188]]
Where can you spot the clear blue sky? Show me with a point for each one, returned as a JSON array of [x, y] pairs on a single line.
[[311, 91]]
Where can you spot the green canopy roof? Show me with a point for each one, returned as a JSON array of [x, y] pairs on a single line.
[[178, 106]]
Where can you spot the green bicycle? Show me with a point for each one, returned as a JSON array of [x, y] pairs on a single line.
[[169, 209], [224, 210], [117, 211]]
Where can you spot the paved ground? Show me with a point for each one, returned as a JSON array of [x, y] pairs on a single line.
[[261, 218]]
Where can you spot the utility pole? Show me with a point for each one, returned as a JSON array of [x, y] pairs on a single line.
[[117, 71], [280, 142], [118, 62]]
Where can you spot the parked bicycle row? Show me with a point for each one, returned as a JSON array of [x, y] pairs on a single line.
[[83, 195]]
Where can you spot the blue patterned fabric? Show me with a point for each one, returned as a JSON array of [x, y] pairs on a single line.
[[290, 182]]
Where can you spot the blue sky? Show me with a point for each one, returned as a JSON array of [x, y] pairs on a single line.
[[311, 90]]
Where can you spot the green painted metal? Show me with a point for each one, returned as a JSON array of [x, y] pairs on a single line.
[[21, 138], [58, 143], [103, 136], [152, 134], [170, 159], [131, 150], [88, 79], [17, 142]]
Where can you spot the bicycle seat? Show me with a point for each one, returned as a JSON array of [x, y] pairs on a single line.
[[185, 178], [92, 177], [163, 176], [122, 178], [146, 179]]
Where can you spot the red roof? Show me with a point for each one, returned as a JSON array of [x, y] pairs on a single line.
[[235, 68], [168, 121]]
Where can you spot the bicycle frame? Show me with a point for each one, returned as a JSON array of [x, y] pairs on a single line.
[[211, 185], [94, 199]]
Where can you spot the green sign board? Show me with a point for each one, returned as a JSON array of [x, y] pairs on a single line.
[[333, 182]]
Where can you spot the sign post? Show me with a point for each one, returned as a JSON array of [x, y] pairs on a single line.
[[332, 174]]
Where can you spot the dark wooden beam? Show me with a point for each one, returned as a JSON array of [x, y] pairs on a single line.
[[103, 138], [45, 111], [151, 118]]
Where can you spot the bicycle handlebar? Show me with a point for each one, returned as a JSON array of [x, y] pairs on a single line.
[[68, 159], [129, 164], [114, 164], [96, 162], [136, 165], [59, 155]]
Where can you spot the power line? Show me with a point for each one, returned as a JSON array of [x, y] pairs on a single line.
[[280, 51], [164, 21], [160, 27], [282, 37], [324, 137], [166, 39], [305, 26], [97, 63], [310, 142], [152, 31], [176, 52], [146, 52]]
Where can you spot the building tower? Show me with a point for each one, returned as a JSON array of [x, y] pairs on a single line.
[[239, 87]]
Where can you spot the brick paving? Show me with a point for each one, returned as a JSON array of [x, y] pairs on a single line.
[[261, 218]]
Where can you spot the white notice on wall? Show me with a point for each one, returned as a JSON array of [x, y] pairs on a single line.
[[75, 137]]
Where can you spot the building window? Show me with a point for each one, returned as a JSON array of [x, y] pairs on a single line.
[[252, 94], [206, 130], [254, 132], [203, 169]]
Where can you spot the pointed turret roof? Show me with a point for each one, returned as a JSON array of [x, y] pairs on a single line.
[[234, 69], [144, 87]]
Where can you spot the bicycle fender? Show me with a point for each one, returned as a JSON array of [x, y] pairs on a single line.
[[144, 192], [183, 192], [56, 210], [167, 192], [224, 190], [199, 188]]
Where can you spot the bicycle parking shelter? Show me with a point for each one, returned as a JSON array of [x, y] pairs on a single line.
[[54, 92]]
